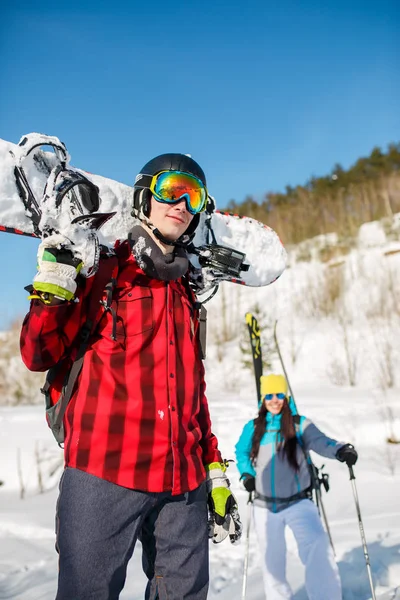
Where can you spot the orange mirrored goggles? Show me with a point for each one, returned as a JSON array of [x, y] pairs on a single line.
[[174, 186]]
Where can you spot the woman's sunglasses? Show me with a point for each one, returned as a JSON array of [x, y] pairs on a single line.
[[270, 396]]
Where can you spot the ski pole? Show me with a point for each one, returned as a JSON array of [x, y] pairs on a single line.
[[283, 363], [246, 555], [321, 509], [361, 526], [319, 503]]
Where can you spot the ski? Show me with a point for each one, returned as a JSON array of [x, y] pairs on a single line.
[[255, 342]]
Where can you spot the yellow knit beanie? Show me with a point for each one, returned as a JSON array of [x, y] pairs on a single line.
[[273, 384]]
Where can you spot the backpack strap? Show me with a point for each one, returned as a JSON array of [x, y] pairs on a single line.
[[315, 481], [299, 435], [105, 281], [297, 426], [202, 330], [202, 316], [303, 495]]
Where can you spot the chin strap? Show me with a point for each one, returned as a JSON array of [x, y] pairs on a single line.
[[168, 242]]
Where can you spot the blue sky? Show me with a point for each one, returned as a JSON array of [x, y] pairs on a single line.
[[262, 94]]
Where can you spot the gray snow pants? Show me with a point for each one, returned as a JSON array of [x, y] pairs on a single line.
[[98, 523]]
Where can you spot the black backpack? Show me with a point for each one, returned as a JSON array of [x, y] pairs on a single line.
[[104, 283]]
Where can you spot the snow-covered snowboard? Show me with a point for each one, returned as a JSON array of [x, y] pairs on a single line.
[[42, 194]]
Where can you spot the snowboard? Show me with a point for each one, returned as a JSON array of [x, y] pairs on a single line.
[[42, 194]]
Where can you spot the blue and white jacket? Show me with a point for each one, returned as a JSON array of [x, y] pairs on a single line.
[[275, 477]]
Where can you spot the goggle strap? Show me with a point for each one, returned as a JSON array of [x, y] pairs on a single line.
[[210, 205]]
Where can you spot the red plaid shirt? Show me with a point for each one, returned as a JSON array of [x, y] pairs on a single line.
[[139, 415]]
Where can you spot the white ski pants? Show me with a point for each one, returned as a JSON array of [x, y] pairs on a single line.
[[322, 575]]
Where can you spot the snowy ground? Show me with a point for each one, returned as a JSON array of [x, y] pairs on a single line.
[[28, 563]]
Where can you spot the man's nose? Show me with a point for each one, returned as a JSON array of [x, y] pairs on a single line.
[[181, 205]]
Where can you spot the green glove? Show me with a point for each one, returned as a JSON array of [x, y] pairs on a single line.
[[57, 270], [224, 518]]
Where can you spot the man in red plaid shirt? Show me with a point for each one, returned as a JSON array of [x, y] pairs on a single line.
[[140, 457]]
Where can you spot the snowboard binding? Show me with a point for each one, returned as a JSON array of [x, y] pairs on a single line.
[[225, 261], [26, 146], [217, 262], [68, 196]]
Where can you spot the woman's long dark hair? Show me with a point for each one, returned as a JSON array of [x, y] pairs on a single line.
[[288, 433]]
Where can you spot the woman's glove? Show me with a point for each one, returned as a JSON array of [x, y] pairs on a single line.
[[249, 482], [57, 269], [347, 454], [224, 518]]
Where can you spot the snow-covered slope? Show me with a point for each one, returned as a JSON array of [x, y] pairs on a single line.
[[339, 326], [28, 564]]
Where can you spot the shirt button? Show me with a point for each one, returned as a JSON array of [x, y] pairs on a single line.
[[130, 294], [174, 443], [171, 375], [171, 343], [173, 408]]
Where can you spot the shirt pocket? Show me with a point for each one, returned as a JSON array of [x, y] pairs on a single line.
[[134, 311]]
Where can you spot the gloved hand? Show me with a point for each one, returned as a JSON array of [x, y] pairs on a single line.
[[57, 269], [224, 518], [249, 482], [347, 454]]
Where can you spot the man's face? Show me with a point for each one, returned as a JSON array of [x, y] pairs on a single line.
[[171, 220]]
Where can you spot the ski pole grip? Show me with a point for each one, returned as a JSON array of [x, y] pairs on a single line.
[[352, 476]]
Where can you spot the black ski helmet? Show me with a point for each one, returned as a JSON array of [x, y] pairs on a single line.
[[164, 162]]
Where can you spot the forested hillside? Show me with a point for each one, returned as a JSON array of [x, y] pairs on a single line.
[[338, 202]]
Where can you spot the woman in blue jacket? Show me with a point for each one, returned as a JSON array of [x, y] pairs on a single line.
[[271, 458]]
